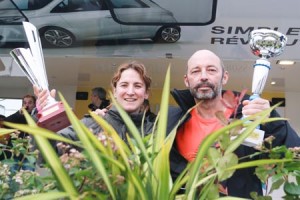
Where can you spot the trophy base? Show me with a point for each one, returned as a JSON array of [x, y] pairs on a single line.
[[254, 139], [53, 118]]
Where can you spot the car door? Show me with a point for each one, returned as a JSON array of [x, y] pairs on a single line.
[[89, 19], [144, 11]]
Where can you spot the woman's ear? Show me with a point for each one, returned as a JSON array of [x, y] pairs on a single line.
[[146, 96], [114, 93]]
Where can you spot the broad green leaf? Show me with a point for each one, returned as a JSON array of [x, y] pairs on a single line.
[[224, 163], [214, 156], [262, 173], [291, 188], [276, 184]]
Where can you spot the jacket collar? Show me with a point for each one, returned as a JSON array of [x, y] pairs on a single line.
[[184, 99]]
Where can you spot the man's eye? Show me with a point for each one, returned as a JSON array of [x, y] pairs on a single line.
[[212, 70]]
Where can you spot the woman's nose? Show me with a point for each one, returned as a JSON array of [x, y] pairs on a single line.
[[130, 90]]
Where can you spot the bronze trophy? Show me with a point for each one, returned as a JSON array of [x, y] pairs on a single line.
[[31, 61], [265, 44]]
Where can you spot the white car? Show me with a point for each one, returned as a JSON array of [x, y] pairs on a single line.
[[63, 22]]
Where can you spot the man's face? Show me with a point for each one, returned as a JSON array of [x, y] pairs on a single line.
[[205, 75], [95, 99], [28, 104]]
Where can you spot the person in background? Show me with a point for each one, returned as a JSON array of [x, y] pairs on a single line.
[[98, 98], [29, 104], [204, 78], [130, 85], [4, 138]]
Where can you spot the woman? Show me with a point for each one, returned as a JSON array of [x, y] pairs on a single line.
[[130, 85]]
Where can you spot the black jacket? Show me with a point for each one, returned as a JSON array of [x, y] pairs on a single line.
[[114, 119], [243, 181]]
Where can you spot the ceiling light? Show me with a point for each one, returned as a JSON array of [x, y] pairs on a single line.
[[285, 62], [273, 83]]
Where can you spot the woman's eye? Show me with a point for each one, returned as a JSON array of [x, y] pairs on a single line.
[[123, 85], [138, 86]]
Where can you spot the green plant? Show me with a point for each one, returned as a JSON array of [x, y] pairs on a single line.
[[107, 168]]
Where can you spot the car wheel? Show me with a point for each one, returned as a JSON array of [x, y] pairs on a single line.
[[57, 37], [167, 34]]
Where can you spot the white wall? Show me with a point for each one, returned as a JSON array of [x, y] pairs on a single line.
[[292, 110]]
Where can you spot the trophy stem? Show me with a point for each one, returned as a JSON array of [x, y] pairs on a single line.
[[260, 75]]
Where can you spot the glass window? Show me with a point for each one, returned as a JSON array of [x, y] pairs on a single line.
[[128, 4], [31, 4], [192, 12], [79, 5]]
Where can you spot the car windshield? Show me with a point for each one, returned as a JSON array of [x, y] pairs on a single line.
[[9, 14], [128, 4], [31, 4]]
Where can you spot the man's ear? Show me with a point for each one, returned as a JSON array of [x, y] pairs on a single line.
[[186, 81], [225, 78]]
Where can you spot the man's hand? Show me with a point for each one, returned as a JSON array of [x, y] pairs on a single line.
[[254, 106], [42, 97], [101, 112]]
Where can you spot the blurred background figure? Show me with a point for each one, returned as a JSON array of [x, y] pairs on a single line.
[[98, 98], [21, 162], [4, 138], [28, 103]]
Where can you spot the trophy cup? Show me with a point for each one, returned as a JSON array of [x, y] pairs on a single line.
[[31, 62], [265, 44]]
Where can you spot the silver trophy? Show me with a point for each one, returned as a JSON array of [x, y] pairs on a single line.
[[31, 61], [265, 44]]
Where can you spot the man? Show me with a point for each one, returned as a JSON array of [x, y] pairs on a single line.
[[28, 103], [204, 78], [98, 99]]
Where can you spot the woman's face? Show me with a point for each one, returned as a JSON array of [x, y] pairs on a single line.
[[130, 91]]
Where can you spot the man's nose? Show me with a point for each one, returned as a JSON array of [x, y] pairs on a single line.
[[203, 75]]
